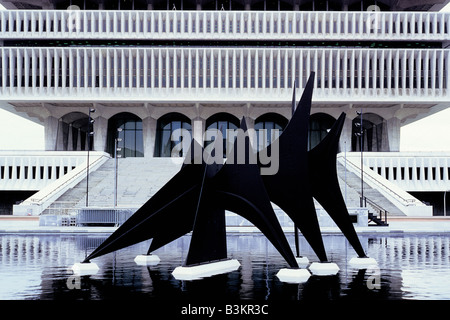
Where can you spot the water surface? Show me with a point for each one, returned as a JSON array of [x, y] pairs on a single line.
[[37, 267]]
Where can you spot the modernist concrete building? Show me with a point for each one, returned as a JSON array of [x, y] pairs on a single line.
[[149, 67]]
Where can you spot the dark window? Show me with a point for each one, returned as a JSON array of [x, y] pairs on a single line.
[[166, 126], [131, 142], [223, 122], [270, 122], [319, 126]]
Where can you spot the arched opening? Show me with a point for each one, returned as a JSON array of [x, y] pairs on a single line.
[[72, 132], [268, 127], [372, 133], [127, 127], [319, 126], [166, 125], [223, 122]]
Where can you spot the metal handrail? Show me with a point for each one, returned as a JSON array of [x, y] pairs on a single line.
[[377, 207]]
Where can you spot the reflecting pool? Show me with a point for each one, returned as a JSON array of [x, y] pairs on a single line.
[[38, 267]]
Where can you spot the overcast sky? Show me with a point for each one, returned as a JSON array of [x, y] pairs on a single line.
[[429, 134]]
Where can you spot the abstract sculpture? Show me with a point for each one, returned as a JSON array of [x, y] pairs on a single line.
[[196, 198]]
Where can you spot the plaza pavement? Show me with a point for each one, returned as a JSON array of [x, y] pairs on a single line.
[[431, 225]]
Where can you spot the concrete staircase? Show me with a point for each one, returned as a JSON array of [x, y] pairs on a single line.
[[138, 180], [353, 183]]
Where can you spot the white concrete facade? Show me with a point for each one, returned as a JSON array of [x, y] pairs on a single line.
[[412, 171], [33, 170], [396, 84], [48, 82]]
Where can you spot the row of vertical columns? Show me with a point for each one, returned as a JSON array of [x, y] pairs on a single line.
[[227, 24], [67, 68]]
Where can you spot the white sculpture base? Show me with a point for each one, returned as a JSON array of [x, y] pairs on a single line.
[[293, 275], [85, 269], [362, 263], [324, 268], [205, 270], [302, 261], [147, 260]]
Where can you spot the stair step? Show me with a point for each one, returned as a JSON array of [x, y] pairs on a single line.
[[138, 180], [353, 182]]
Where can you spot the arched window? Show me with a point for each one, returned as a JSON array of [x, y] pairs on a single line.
[[222, 121], [128, 128], [372, 133], [273, 124], [319, 126], [72, 132], [166, 125]]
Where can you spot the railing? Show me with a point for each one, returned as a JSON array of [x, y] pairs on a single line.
[[224, 25], [412, 171], [382, 212], [226, 73], [103, 216], [61, 208], [69, 213], [33, 170], [381, 185]]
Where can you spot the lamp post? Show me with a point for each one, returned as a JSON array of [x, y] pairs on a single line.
[[89, 134], [116, 169], [361, 139], [345, 172]]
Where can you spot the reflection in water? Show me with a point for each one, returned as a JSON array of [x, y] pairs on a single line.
[[36, 267]]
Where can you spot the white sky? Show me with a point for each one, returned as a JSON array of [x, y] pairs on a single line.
[[429, 134]]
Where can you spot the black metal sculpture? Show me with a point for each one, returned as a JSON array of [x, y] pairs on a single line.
[[196, 198], [304, 175]]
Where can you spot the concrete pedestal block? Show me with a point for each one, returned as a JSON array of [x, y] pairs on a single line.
[[85, 269], [324, 268], [147, 260], [293, 275], [205, 270]]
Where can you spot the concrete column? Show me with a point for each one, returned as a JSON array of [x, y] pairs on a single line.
[[149, 133], [100, 134], [366, 141], [393, 134], [60, 136], [198, 128], [79, 140], [251, 129], [345, 143], [50, 133], [70, 138]]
